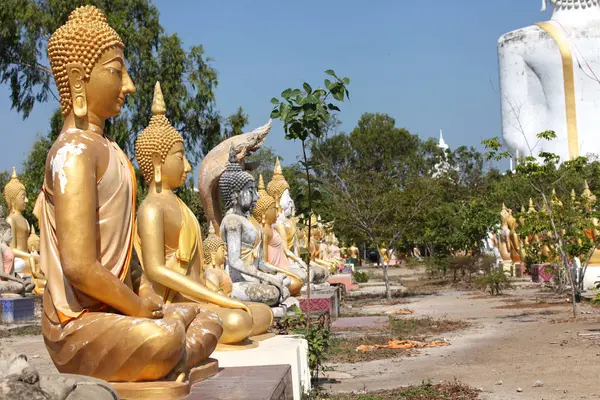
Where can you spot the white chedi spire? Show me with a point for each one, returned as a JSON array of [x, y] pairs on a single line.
[[442, 143]]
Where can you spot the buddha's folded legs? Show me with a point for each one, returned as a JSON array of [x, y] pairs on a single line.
[[116, 348], [256, 292]]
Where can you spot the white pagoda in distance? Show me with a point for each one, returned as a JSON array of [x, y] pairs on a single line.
[[443, 167]]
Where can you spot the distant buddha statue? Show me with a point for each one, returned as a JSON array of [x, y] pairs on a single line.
[[253, 279], [588, 200], [10, 283], [265, 215], [344, 251], [516, 250], [214, 250], [168, 239], [95, 322], [16, 200], [279, 189], [505, 241], [353, 254], [548, 81]]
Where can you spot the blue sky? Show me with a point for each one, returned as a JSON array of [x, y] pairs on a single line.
[[430, 64]]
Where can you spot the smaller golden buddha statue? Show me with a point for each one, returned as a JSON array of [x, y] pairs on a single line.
[[168, 239], [344, 250], [10, 283], [214, 263], [505, 242], [16, 200], [353, 254], [265, 214], [384, 255], [516, 250], [588, 200]]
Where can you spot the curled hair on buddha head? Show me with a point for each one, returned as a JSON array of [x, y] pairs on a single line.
[[211, 244], [265, 201], [233, 180], [82, 39]]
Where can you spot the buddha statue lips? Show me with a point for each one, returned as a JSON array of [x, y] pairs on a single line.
[[86, 213], [168, 239]]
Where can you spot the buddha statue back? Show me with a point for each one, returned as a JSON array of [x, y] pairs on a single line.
[[549, 81]]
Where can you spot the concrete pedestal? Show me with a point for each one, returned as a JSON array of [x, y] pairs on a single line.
[[279, 350], [544, 273], [323, 300], [269, 382], [16, 309], [343, 279]]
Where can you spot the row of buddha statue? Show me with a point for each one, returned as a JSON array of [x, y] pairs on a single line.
[[510, 248], [140, 296]]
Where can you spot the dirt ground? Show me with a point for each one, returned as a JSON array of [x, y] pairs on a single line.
[[506, 349], [514, 340]]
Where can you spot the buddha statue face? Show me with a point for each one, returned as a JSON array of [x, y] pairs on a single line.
[[248, 197], [108, 85], [20, 201], [175, 168], [286, 203]]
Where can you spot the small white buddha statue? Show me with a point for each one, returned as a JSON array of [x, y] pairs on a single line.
[[549, 80]]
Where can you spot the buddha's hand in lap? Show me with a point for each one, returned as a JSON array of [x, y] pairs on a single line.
[[150, 307]]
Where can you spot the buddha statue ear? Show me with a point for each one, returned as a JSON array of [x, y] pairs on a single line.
[[157, 163], [76, 75]]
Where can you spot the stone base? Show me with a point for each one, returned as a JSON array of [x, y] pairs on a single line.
[[508, 268], [269, 382], [519, 270], [343, 279], [280, 350], [16, 309], [166, 390], [327, 300]]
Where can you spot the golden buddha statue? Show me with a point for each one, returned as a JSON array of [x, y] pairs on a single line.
[[505, 247], [253, 279], [266, 212], [93, 321], [214, 262], [318, 248], [16, 200], [384, 255], [344, 250], [516, 250], [168, 238], [353, 254], [588, 200]]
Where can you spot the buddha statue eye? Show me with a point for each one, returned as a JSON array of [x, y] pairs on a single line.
[[114, 71]]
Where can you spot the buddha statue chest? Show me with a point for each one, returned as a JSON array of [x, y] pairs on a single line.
[[548, 81], [22, 231]]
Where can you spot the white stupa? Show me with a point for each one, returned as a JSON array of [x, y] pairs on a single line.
[[443, 167]]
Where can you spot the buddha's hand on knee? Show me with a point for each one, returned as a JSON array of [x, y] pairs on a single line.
[[150, 307]]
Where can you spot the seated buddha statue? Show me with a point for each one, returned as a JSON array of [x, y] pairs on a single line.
[[253, 279], [214, 251], [318, 248], [16, 200], [588, 200], [266, 212], [334, 250], [505, 243], [168, 238], [353, 254], [10, 283], [286, 226], [95, 322]]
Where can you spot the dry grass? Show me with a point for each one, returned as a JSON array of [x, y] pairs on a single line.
[[520, 306], [343, 350], [21, 331], [425, 391]]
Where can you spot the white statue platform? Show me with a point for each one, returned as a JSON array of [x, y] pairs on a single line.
[[281, 349]]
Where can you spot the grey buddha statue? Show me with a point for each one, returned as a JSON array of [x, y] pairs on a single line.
[[253, 280]]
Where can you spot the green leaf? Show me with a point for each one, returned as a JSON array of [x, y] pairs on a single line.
[[346, 81], [328, 84], [307, 88], [286, 94], [274, 100], [333, 107], [295, 92], [275, 114], [330, 72]]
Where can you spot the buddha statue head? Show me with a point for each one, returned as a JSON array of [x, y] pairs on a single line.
[[86, 56], [159, 149], [265, 210], [14, 193], [555, 201], [588, 198], [279, 189], [237, 187], [214, 249], [569, 4], [33, 242], [531, 209]]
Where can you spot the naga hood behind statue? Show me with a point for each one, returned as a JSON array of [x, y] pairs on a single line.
[[214, 164]]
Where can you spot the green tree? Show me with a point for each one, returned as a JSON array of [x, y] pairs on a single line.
[[305, 113], [262, 162], [235, 123], [187, 78]]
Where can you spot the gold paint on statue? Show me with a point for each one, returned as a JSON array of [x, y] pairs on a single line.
[[568, 83], [168, 237], [214, 261], [86, 214]]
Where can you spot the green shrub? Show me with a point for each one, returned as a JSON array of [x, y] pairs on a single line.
[[360, 277], [495, 281]]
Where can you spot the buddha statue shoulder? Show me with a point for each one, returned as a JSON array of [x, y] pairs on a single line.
[[86, 212], [273, 246], [543, 68], [168, 239], [253, 280]]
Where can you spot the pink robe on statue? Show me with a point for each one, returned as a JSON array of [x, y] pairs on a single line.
[[277, 254], [8, 258]]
